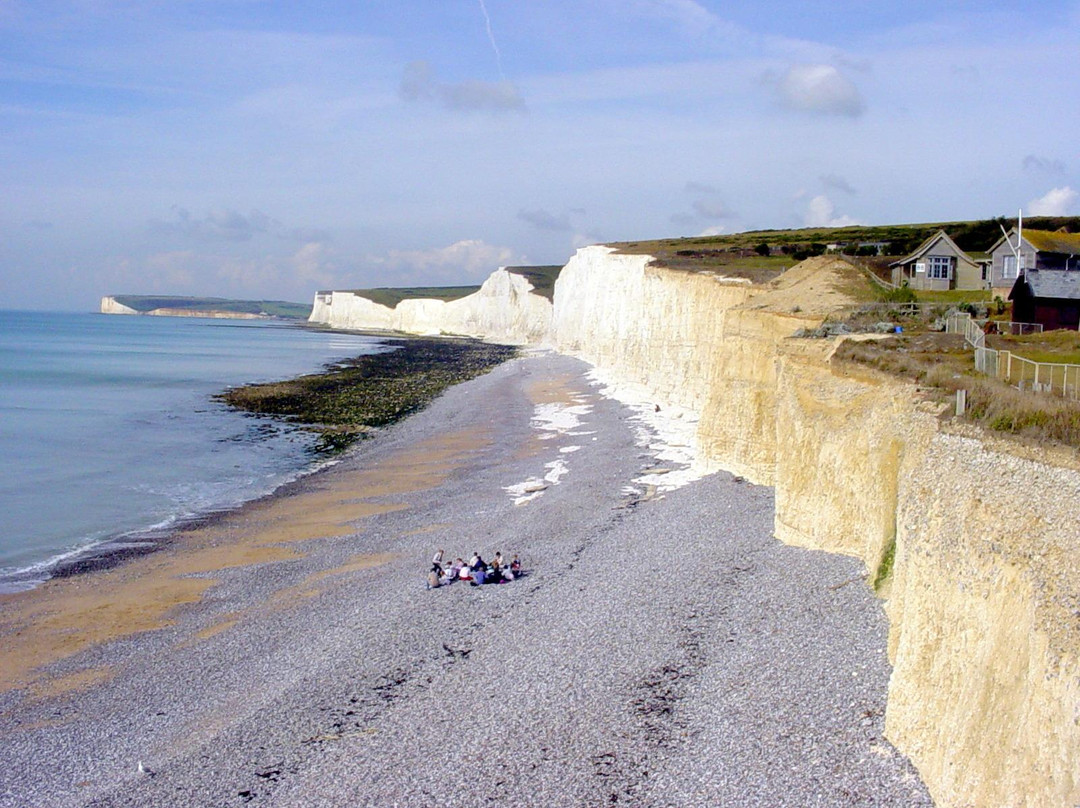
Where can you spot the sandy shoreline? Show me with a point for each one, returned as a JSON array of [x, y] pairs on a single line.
[[288, 653]]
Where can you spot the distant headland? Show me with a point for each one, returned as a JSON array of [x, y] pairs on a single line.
[[166, 306]]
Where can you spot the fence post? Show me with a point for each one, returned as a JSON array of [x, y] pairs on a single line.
[[961, 401]]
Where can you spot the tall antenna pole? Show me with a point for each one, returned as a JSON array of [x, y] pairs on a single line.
[[1019, 239]]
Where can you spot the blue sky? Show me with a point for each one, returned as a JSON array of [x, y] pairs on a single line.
[[257, 149]]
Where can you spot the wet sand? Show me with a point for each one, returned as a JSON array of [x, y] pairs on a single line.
[[289, 653]]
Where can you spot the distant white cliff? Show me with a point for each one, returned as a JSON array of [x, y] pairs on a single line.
[[505, 309], [110, 305]]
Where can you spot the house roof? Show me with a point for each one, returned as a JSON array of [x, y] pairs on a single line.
[[1047, 241], [930, 242], [1050, 283]]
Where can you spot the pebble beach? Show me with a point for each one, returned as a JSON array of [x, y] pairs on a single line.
[[663, 649]]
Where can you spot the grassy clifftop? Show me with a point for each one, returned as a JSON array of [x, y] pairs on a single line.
[[762, 255], [390, 297]]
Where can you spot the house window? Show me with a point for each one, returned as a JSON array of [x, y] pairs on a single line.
[[939, 267], [1009, 265]]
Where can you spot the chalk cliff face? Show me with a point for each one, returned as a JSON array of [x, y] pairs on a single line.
[[982, 541], [984, 593], [503, 310], [109, 305], [650, 328], [985, 694]]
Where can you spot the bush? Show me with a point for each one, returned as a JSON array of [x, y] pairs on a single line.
[[903, 294], [762, 249]]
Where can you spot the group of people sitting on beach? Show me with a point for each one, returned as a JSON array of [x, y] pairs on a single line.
[[476, 572]]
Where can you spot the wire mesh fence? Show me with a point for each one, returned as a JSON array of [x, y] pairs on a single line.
[[1042, 377], [1023, 374]]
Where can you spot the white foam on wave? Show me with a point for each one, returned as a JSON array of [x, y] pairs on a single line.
[[669, 432], [526, 491], [557, 469], [557, 419], [552, 420]]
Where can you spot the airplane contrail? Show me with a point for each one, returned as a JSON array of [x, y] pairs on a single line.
[[491, 37]]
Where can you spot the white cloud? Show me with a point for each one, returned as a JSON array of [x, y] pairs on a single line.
[[716, 230], [818, 88], [821, 212], [463, 260], [585, 240], [1055, 202], [312, 263]]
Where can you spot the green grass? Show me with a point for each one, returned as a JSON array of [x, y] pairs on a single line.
[[385, 296], [542, 278], [1052, 357], [953, 296], [1061, 346], [274, 308], [885, 567], [943, 363]]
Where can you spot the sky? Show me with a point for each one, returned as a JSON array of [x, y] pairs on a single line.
[[251, 149]]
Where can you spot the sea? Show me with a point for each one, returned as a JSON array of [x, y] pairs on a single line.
[[109, 431]]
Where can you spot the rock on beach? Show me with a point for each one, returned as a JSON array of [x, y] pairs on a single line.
[[660, 651]]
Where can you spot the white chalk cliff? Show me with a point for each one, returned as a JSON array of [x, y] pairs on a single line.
[[505, 309], [983, 537]]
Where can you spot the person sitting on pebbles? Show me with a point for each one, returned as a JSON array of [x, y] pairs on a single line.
[[479, 569]]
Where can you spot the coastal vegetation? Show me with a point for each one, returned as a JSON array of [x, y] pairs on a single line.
[[542, 278], [350, 398], [390, 297], [271, 308], [943, 364], [762, 255]]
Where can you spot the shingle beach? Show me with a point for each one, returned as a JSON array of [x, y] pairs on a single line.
[[663, 648]]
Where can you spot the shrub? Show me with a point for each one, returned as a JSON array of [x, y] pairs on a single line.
[[903, 294]]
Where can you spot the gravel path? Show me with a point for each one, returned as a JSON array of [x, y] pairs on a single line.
[[662, 651]]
